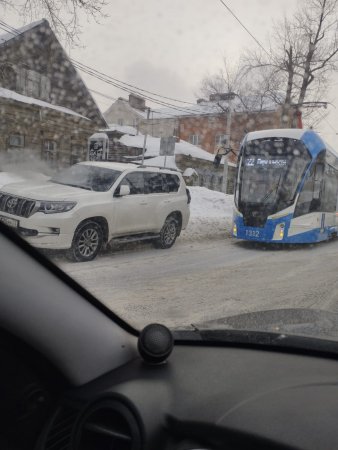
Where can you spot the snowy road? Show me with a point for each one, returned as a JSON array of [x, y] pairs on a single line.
[[199, 280]]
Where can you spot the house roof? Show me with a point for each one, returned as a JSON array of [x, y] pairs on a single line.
[[86, 105], [122, 101], [5, 37], [12, 95]]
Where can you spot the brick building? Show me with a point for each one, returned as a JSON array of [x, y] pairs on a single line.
[[46, 111]]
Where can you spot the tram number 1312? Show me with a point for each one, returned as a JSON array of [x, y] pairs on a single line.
[[252, 233]]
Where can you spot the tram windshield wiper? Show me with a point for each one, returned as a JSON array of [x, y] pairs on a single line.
[[274, 189]]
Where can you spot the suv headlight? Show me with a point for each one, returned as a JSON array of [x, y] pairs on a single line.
[[55, 207]]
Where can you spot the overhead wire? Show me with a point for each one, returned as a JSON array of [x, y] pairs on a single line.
[[131, 85], [243, 26], [107, 79]]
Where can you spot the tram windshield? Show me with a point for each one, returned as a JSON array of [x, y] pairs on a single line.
[[270, 172]]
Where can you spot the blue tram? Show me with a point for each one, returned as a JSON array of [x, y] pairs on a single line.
[[286, 188]]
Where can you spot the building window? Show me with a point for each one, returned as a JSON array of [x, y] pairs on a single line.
[[78, 153], [49, 151], [221, 139], [16, 140], [195, 139], [120, 122]]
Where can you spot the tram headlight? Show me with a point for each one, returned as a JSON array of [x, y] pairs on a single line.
[[234, 230], [281, 230]]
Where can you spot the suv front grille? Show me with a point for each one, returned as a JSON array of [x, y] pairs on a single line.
[[18, 206]]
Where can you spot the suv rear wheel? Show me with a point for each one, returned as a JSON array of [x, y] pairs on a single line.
[[168, 233], [87, 242]]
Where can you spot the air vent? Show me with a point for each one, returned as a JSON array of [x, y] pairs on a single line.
[[60, 431], [106, 425]]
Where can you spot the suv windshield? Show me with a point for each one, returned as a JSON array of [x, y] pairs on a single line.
[[83, 176]]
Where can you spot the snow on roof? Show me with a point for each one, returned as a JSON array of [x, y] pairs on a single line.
[[207, 108], [11, 95], [8, 36], [189, 172], [125, 129], [153, 147], [98, 136]]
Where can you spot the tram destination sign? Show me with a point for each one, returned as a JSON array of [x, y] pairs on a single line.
[[266, 162]]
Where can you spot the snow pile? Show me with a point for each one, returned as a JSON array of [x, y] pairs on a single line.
[[210, 214]]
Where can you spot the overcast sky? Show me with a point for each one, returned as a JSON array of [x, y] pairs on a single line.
[[168, 46]]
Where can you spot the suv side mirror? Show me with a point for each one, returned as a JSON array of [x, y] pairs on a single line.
[[123, 190]]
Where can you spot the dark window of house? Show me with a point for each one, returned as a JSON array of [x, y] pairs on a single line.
[[49, 151], [77, 154], [195, 139], [16, 140]]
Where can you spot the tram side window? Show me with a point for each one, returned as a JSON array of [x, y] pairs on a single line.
[[329, 196], [310, 197]]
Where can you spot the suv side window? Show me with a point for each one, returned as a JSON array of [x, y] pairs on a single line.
[[135, 181], [171, 183], [153, 183]]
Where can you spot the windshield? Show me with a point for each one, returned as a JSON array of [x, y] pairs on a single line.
[[271, 170], [179, 160], [87, 177]]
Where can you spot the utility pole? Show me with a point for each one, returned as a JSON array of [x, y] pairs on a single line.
[[230, 97], [145, 136]]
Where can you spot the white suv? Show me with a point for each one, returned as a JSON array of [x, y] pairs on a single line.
[[90, 203]]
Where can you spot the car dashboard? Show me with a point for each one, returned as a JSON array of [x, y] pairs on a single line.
[[202, 397]]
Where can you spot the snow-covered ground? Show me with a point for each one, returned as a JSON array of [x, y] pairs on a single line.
[[210, 214]]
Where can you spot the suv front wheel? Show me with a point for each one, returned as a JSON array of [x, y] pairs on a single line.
[[168, 233], [87, 242]]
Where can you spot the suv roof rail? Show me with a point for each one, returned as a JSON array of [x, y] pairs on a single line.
[[158, 167]]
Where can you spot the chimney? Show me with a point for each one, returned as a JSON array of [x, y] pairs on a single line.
[[137, 102]]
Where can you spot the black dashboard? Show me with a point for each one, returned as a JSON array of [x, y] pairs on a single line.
[[203, 397]]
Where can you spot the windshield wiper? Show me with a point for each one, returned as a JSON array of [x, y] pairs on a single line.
[[274, 189], [73, 185]]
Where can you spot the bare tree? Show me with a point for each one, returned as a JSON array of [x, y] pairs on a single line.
[[63, 15], [302, 54], [254, 91], [295, 66]]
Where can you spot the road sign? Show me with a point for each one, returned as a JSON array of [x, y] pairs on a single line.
[[167, 146]]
